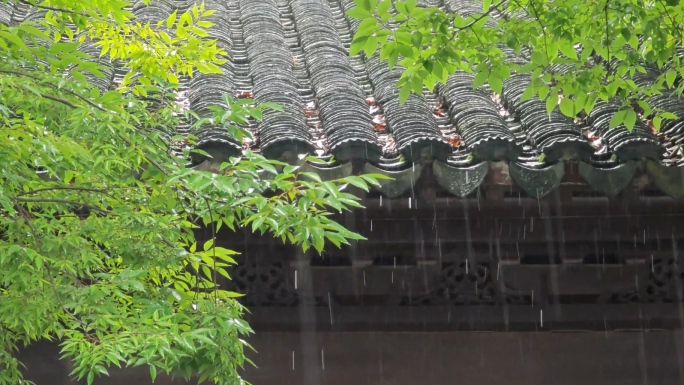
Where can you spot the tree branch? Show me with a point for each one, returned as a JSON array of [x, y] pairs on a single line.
[[59, 100], [543, 29], [49, 8], [74, 188], [64, 201], [70, 92], [474, 21], [68, 103]]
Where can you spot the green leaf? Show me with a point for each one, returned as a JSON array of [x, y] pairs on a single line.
[[543, 92], [417, 39], [359, 13], [480, 79], [657, 122], [567, 107], [630, 119], [137, 285], [367, 27], [625, 32], [528, 94], [383, 7], [617, 119], [357, 45], [670, 77], [171, 19], [568, 50], [486, 4], [552, 101], [363, 4], [392, 60], [590, 103], [371, 46], [356, 181], [404, 92], [417, 84], [405, 50], [496, 84]]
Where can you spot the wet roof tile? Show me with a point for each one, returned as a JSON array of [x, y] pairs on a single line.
[[296, 53]]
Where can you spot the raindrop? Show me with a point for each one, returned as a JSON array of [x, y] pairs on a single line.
[[330, 308], [392, 277], [524, 231], [466, 264], [409, 202], [439, 247], [541, 318], [539, 203], [380, 200], [395, 262], [371, 225], [295, 279], [644, 237], [364, 278], [532, 298], [293, 360], [467, 177], [519, 199], [322, 360], [413, 167], [498, 269], [531, 224], [652, 266]]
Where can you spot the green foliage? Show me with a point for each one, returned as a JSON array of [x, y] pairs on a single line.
[[98, 208], [600, 46]]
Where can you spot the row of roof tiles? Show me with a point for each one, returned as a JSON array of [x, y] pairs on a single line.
[[295, 53]]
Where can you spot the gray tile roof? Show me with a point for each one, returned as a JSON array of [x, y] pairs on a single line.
[[295, 53]]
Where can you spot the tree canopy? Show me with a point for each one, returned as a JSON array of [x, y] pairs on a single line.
[[98, 204], [575, 52]]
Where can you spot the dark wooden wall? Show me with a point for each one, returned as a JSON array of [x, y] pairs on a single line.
[[411, 358]]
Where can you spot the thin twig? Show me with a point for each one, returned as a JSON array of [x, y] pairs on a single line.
[[474, 21], [64, 201], [49, 8], [36, 191], [543, 29], [70, 92]]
